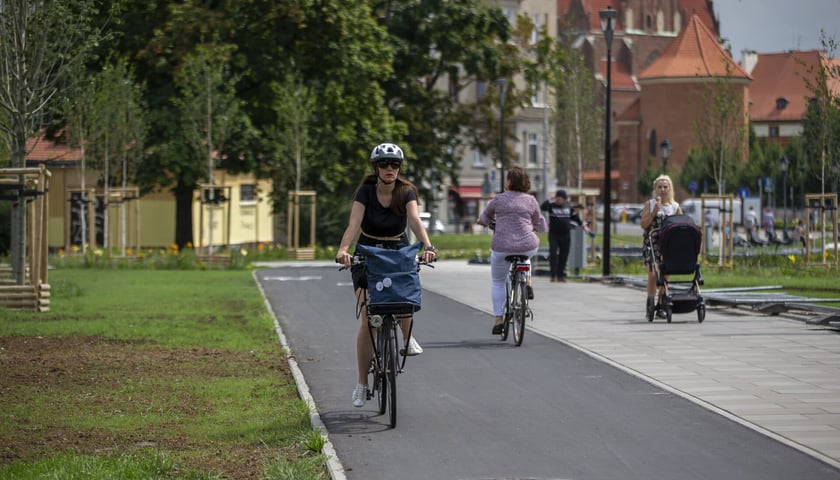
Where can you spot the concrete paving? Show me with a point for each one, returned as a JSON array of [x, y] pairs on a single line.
[[774, 374]]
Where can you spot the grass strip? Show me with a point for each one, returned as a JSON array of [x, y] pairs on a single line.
[[151, 374]]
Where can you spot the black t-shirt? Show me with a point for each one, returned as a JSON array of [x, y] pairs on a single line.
[[560, 216], [378, 220]]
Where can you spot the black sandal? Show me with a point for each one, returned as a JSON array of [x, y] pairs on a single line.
[[497, 328]]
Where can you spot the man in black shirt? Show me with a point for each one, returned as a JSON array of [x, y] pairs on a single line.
[[560, 218]]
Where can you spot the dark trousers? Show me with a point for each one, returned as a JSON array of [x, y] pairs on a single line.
[[558, 253]]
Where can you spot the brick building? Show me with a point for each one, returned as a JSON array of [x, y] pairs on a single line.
[[662, 53]]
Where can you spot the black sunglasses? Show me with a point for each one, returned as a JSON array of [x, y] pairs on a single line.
[[395, 164]]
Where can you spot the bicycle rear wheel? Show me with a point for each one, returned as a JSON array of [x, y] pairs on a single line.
[[508, 309], [391, 365], [520, 307]]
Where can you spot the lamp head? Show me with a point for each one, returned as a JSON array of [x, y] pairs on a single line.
[[665, 149]]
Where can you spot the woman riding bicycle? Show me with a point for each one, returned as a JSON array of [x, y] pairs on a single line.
[[517, 216], [384, 203]]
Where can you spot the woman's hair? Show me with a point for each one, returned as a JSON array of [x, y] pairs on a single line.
[[518, 179], [399, 197], [666, 179]]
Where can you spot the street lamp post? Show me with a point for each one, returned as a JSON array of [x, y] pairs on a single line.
[[608, 17], [502, 82], [665, 151], [784, 163]]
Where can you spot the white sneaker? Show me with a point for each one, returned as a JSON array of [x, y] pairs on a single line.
[[414, 348], [360, 395]]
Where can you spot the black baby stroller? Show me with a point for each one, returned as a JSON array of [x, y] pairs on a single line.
[[679, 245]]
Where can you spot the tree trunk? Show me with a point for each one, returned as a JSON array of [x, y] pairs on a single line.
[[183, 215], [18, 230]]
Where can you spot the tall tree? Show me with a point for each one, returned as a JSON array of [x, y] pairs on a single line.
[[41, 41], [721, 131], [117, 136], [822, 120], [442, 49], [340, 50], [209, 109], [578, 120]]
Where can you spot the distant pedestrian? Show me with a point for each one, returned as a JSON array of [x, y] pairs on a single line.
[[768, 221], [710, 220], [561, 214], [751, 225]]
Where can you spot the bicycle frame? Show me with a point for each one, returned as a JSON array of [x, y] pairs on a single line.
[[388, 346], [516, 301]]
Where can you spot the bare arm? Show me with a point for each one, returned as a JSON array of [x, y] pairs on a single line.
[[353, 226], [648, 214], [412, 211]]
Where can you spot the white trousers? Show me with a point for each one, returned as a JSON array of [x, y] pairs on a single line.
[[498, 275]]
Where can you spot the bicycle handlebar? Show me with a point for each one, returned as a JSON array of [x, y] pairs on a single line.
[[360, 260]]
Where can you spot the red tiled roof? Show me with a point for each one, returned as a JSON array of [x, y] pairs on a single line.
[[695, 52], [782, 76], [42, 150], [633, 112], [621, 78]]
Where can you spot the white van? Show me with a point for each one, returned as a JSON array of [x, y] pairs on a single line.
[[694, 208]]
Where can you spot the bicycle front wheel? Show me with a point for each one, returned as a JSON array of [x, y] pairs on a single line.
[[380, 381], [520, 308], [391, 365]]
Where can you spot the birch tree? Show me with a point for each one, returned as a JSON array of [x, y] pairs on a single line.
[[40, 40], [722, 130], [209, 109]]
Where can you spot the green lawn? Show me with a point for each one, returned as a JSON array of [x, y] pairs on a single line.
[[151, 374]]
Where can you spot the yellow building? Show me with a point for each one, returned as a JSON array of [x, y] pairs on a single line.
[[244, 217]]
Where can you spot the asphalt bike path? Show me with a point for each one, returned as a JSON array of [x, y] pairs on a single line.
[[472, 407]]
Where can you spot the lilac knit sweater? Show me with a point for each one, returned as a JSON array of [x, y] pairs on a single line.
[[517, 216]]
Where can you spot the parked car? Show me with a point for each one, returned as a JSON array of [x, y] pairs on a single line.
[[439, 228], [633, 210]]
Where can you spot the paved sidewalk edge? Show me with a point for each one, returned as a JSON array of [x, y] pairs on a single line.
[[334, 465]]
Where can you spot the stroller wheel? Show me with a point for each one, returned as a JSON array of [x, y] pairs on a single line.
[[701, 313]]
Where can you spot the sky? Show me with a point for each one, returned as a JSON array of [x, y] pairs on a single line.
[[772, 26]]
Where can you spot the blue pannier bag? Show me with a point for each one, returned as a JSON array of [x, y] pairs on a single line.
[[393, 280]]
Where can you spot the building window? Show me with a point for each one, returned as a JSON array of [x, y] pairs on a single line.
[[648, 22], [652, 144], [774, 131], [453, 88], [781, 103], [533, 144], [480, 89], [478, 160], [247, 193]]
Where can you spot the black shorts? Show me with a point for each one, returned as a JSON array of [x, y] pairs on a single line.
[[359, 272]]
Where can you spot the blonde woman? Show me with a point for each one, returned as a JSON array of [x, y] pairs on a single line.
[[654, 212]]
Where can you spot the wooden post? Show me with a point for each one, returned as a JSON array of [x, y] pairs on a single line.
[[293, 225]]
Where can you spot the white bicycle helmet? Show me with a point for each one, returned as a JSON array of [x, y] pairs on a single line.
[[386, 151]]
